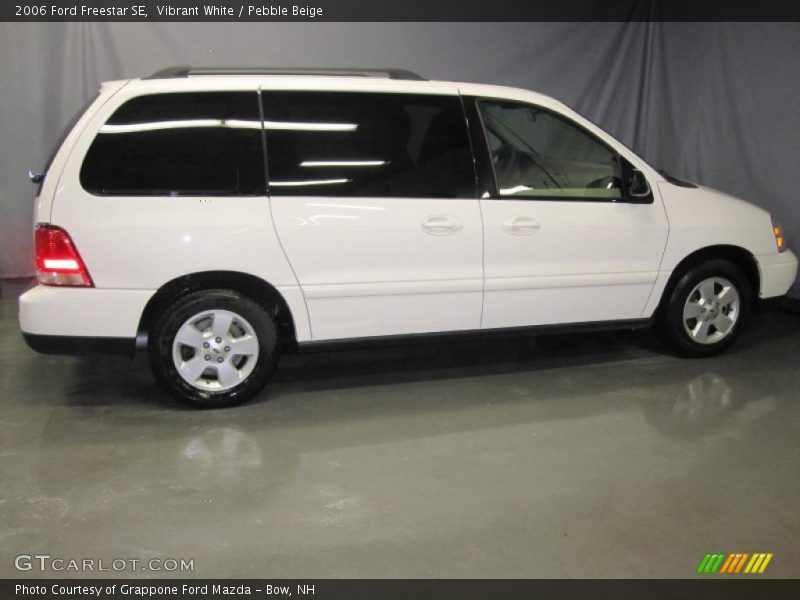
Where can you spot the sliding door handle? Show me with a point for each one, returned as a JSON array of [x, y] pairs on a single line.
[[442, 225], [520, 225]]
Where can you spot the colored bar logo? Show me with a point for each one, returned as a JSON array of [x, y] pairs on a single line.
[[733, 564]]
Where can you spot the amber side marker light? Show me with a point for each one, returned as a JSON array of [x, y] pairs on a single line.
[[57, 259], [779, 239]]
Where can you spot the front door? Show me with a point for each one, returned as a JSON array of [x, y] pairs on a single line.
[[562, 242]]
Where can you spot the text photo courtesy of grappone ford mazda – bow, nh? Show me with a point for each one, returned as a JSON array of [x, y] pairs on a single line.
[[160, 591]]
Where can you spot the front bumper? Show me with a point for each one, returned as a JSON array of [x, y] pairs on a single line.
[[777, 273], [66, 320]]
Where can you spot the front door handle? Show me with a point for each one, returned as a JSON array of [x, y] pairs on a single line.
[[520, 225], [442, 225]]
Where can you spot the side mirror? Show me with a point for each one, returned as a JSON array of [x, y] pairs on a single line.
[[638, 188], [635, 188]]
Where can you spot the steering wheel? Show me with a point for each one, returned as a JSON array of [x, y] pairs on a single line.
[[608, 182], [511, 164]]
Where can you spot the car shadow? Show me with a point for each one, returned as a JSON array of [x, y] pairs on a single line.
[[104, 380]]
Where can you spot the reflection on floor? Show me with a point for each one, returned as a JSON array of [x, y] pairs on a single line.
[[578, 456]]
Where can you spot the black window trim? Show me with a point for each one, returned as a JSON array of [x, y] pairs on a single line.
[[264, 144], [476, 189], [486, 181], [494, 188], [172, 194]]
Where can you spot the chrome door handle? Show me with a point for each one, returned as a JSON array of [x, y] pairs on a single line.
[[520, 225], [441, 225]]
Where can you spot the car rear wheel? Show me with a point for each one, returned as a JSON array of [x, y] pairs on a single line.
[[706, 309], [213, 348]]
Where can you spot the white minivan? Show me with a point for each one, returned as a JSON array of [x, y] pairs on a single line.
[[221, 216]]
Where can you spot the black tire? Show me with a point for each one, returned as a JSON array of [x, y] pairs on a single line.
[[167, 324], [671, 318]]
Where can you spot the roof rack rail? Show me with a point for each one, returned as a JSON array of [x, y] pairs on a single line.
[[184, 71]]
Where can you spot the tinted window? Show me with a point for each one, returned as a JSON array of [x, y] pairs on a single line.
[[186, 143], [538, 154], [361, 144]]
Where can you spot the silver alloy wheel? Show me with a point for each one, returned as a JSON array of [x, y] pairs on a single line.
[[215, 350], [711, 310]]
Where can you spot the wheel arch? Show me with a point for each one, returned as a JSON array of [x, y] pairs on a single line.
[[253, 287], [739, 256]]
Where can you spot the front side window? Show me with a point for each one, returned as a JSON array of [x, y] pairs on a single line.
[[367, 144], [537, 154], [206, 143]]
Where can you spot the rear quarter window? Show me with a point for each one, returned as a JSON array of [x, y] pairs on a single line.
[[206, 143]]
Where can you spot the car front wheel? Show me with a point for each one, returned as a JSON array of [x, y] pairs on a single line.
[[707, 308]]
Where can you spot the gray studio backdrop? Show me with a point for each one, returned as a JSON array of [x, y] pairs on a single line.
[[711, 102]]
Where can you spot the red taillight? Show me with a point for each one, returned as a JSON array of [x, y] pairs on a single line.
[[57, 259]]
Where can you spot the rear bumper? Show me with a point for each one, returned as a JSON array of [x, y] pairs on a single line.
[[65, 320], [64, 344], [777, 272]]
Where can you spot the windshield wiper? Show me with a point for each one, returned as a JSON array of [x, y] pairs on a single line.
[[675, 181]]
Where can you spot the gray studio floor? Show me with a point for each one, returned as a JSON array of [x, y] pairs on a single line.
[[577, 456]]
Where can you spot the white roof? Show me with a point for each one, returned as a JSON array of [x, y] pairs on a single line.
[[338, 83]]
